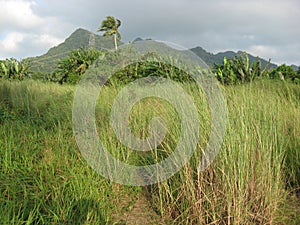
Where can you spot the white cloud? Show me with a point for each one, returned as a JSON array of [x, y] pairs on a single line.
[[46, 40], [26, 44], [24, 33], [11, 42], [18, 14], [263, 51]]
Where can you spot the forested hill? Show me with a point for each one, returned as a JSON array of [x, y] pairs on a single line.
[[82, 38], [212, 59]]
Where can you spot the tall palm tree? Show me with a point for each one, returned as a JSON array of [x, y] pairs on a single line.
[[110, 25]]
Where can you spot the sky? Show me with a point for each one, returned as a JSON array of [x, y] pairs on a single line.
[[265, 28]]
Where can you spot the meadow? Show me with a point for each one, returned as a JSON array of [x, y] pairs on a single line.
[[255, 178]]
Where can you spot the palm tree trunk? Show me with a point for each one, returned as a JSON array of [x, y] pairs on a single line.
[[116, 44]]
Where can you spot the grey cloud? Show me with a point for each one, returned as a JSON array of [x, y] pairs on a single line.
[[215, 24]]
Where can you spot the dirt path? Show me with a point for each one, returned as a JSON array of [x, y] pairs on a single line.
[[136, 210]]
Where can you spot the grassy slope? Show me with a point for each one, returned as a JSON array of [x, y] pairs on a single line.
[[44, 179]]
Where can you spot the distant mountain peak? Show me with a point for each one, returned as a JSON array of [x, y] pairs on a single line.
[[199, 48], [80, 38], [218, 58], [84, 38], [81, 30], [138, 39]]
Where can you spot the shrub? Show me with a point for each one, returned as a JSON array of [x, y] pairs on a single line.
[[13, 69], [239, 70]]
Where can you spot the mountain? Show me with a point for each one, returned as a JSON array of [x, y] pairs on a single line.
[[137, 39], [212, 59], [207, 57], [79, 38], [82, 38], [295, 67]]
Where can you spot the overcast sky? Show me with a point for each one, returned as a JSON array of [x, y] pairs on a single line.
[[266, 28]]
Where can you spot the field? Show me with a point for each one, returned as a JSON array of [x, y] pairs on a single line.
[[255, 178]]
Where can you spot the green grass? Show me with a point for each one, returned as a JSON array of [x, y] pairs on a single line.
[[250, 180], [44, 179], [254, 179]]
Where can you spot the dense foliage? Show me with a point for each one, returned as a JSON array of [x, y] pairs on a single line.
[[238, 70], [71, 69], [285, 72], [12, 69], [150, 67]]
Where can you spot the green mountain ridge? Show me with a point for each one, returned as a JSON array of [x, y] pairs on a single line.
[[211, 59], [78, 39], [82, 38]]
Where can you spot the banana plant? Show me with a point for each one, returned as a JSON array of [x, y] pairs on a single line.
[[239, 70], [4, 70], [13, 69], [226, 73], [75, 65]]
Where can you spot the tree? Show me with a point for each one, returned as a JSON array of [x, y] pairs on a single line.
[[13, 69], [110, 25], [239, 70], [71, 68], [284, 72], [297, 78]]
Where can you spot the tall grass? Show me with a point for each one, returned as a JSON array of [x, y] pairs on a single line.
[[249, 181], [44, 179]]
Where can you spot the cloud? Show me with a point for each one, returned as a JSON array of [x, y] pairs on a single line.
[[25, 45], [46, 40], [11, 42], [17, 14], [262, 50], [266, 27], [24, 33]]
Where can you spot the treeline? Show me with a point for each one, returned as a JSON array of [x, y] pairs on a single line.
[[70, 70], [238, 70], [12, 69]]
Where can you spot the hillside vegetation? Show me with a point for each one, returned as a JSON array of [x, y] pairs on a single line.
[[78, 39], [82, 38]]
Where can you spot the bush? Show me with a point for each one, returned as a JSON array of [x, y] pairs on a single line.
[[284, 72], [238, 70], [12, 69], [71, 69]]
